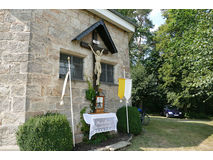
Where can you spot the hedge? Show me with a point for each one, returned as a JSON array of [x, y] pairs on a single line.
[[49, 132], [135, 126]]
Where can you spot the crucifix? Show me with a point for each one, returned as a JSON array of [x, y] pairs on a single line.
[[97, 53], [97, 67]]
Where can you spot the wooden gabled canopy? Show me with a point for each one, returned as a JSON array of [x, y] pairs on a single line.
[[101, 29]]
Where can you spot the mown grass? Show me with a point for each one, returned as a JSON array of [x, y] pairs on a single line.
[[174, 134]]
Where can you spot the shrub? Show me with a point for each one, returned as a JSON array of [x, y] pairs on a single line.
[[134, 120], [195, 115], [49, 132], [84, 126], [90, 95]]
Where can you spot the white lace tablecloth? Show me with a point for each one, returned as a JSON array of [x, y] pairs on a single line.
[[102, 122]]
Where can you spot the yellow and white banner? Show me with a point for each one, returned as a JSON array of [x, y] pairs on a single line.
[[124, 88]]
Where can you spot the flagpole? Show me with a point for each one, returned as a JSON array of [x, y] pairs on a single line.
[[71, 107], [127, 118]]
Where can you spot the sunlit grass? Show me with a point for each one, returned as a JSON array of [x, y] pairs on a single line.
[[174, 134]]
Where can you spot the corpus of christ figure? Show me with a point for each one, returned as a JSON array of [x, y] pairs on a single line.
[[97, 70]]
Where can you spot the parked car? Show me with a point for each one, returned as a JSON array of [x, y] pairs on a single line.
[[172, 111]]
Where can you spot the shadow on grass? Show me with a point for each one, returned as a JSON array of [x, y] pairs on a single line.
[[172, 133]]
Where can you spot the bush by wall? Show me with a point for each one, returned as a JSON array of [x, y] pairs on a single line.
[[49, 132], [135, 126]]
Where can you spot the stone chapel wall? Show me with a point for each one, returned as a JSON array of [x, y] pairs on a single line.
[[29, 73], [14, 47]]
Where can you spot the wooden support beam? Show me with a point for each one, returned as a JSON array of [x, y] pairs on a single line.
[[86, 45]]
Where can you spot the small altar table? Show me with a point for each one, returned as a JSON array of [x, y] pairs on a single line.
[[102, 122]]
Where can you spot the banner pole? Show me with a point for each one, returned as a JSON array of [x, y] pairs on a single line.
[[127, 118], [71, 107]]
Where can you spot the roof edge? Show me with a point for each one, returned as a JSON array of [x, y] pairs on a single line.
[[123, 17], [114, 18]]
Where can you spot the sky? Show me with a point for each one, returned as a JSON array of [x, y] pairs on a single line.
[[157, 18]]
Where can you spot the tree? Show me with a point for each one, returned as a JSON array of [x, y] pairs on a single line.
[[186, 45], [146, 92], [141, 43], [145, 61]]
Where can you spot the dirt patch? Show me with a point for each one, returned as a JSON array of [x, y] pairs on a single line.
[[116, 138]]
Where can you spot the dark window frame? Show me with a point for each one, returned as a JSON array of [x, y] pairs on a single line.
[[107, 69], [73, 60]]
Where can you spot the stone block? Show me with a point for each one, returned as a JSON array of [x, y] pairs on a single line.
[[23, 67], [85, 104], [34, 67], [21, 14], [14, 68], [4, 69], [13, 79], [67, 113], [74, 15], [4, 27], [76, 92], [38, 106], [55, 91], [19, 104], [18, 90], [79, 138], [52, 100], [39, 29], [38, 79], [76, 108], [2, 16], [6, 36], [33, 91], [33, 100], [8, 135], [17, 46], [9, 18], [77, 100], [5, 90], [22, 36], [9, 118], [3, 45], [17, 27], [5, 103], [47, 68]]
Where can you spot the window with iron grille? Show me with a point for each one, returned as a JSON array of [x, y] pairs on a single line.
[[107, 74], [76, 65]]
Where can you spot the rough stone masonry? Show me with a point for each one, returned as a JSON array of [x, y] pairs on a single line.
[[30, 46]]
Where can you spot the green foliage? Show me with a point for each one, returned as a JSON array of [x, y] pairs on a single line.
[[90, 95], [146, 92], [85, 128], [141, 42], [50, 132], [145, 62], [99, 137], [194, 115], [186, 45], [135, 126]]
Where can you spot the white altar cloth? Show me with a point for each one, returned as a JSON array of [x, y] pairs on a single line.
[[102, 122]]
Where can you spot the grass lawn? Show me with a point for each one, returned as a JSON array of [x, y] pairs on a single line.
[[172, 134]]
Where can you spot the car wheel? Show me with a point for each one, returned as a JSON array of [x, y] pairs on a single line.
[[167, 115]]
